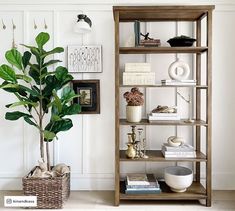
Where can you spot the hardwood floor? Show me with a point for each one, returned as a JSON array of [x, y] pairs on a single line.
[[103, 201]]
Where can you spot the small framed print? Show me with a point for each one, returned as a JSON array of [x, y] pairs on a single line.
[[85, 59], [89, 99]]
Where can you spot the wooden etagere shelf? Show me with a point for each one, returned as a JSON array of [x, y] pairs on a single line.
[[161, 50], [156, 155], [196, 14], [195, 192], [173, 122], [167, 86]]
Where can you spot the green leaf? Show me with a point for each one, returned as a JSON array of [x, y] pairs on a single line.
[[16, 115], [29, 121], [24, 77], [61, 73], [71, 110], [51, 62], [62, 125], [13, 88], [57, 101], [35, 74], [26, 58], [42, 39], [68, 95], [55, 50], [22, 103], [55, 118], [14, 57], [7, 73], [48, 135]]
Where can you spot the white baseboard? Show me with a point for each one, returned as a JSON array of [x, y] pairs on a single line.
[[223, 181], [91, 182], [220, 181]]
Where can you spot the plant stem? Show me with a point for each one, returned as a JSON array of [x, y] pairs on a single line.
[[48, 156], [41, 117]]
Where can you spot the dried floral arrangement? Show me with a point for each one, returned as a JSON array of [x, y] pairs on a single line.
[[134, 97]]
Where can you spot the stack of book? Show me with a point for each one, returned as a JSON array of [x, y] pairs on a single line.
[[179, 82], [163, 116], [142, 184], [138, 74], [182, 151], [150, 43]]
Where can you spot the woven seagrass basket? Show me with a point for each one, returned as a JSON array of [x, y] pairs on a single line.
[[51, 192]]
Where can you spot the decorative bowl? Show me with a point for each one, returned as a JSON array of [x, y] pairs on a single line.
[[178, 178], [181, 41]]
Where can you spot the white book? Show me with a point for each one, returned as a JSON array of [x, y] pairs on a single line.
[[139, 78], [137, 67], [164, 114], [139, 74], [137, 179], [179, 154], [156, 118], [184, 148], [192, 83], [184, 80]]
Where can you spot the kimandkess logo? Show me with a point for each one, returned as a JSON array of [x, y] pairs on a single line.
[[20, 201]]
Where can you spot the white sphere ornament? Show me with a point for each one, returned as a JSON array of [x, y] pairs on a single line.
[[179, 75]]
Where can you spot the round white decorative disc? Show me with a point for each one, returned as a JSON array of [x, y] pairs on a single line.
[[172, 70]]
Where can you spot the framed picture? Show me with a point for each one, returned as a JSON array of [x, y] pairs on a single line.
[[85, 59], [89, 91]]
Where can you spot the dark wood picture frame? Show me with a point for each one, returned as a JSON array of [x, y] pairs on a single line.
[[89, 99]]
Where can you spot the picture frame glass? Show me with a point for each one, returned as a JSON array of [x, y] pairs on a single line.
[[89, 95]]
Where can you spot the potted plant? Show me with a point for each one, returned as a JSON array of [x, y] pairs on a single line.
[[36, 91], [135, 101]]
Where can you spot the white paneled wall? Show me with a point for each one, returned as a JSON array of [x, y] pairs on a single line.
[[89, 146]]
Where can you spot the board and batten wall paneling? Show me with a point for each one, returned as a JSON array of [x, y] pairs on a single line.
[[89, 146]]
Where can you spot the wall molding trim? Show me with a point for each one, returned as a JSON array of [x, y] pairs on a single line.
[[113, 2]]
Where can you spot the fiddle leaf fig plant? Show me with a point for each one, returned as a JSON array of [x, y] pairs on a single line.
[[36, 90]]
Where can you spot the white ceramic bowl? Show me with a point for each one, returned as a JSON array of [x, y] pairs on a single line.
[[179, 178]]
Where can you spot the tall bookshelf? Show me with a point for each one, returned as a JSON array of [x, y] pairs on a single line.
[[166, 14]]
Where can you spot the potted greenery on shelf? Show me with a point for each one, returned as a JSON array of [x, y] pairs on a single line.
[[36, 90], [135, 101]]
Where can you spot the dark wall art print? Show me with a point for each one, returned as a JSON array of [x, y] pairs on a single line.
[[89, 99]]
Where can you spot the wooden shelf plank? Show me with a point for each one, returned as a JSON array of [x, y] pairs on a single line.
[[156, 155], [160, 50], [168, 86], [195, 192], [166, 122], [162, 13]]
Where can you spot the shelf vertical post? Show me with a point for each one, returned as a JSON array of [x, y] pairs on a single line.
[[117, 165], [198, 97], [209, 107]]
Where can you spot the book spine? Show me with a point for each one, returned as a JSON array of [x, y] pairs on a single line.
[[164, 114], [143, 189], [151, 118], [143, 192], [179, 154], [156, 185], [138, 79]]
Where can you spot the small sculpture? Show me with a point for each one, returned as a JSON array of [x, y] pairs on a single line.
[[134, 147], [189, 101], [175, 141], [130, 152], [164, 109], [176, 75]]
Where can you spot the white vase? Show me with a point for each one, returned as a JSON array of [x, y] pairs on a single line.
[[133, 113]]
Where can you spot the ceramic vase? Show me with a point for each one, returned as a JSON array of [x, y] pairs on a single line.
[[133, 113]]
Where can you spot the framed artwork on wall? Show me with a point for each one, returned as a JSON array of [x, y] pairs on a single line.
[[85, 59], [89, 99]]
